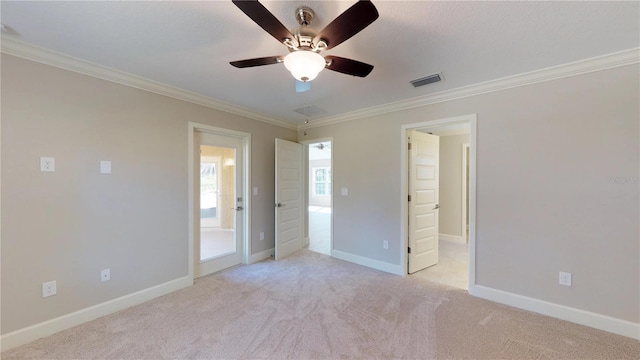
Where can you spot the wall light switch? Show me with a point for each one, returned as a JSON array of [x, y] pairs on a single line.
[[262, 235], [255, 190], [565, 278], [105, 167], [345, 192], [47, 164]]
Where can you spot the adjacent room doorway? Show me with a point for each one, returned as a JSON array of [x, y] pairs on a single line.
[[319, 196], [440, 201]]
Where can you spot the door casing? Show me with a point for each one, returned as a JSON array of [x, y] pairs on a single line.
[[471, 120], [246, 213]]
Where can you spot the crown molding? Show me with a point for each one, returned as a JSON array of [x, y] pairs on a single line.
[[31, 52], [12, 46], [609, 61]]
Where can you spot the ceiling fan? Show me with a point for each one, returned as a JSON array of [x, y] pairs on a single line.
[[305, 44]]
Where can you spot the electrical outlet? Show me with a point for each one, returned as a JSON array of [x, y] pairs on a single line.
[[565, 278], [255, 190], [47, 164], [105, 275], [49, 289], [262, 236], [385, 244], [344, 191]]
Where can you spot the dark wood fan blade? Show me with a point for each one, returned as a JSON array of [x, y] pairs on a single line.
[[349, 23], [257, 61], [348, 66], [264, 18]]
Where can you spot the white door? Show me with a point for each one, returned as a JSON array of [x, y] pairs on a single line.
[[289, 198], [423, 200], [219, 243]]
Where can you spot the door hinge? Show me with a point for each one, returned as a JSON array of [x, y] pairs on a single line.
[[409, 197], [409, 250], [409, 146]]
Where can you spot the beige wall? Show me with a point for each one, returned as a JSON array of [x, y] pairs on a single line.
[[70, 224], [450, 216], [548, 199]]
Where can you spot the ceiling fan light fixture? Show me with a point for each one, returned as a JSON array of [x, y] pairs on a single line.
[[304, 65]]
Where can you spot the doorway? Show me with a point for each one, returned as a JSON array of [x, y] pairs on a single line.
[[319, 196], [456, 250], [218, 164]]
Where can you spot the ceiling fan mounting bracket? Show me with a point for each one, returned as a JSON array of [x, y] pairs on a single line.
[[304, 15]]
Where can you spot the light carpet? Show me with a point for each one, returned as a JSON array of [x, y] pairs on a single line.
[[310, 306]]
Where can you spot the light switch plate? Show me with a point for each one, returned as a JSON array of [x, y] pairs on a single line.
[[105, 167], [345, 192], [564, 278]]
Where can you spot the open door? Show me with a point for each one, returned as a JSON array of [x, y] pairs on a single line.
[[289, 198], [423, 200]]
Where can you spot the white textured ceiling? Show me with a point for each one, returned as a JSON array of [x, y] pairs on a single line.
[[189, 45]]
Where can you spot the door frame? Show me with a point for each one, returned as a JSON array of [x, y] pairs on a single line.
[[465, 146], [305, 155], [471, 120], [246, 185]]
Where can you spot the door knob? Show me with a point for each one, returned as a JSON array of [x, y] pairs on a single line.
[[238, 208], [279, 205], [436, 207]]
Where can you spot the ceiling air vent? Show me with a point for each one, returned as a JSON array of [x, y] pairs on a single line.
[[310, 111], [427, 80]]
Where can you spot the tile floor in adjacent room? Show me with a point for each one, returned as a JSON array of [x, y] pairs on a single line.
[[216, 242], [320, 229], [453, 265]]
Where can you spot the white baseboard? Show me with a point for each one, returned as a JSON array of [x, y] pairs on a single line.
[[582, 317], [452, 238], [261, 256], [49, 327], [374, 264]]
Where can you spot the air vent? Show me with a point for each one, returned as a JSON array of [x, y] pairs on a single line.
[[427, 80], [311, 111]]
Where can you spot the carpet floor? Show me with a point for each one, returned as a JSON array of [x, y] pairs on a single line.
[[310, 306]]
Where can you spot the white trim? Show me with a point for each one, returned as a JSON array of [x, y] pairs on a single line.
[[35, 53], [262, 255], [49, 327], [451, 238], [463, 226], [604, 62], [246, 186], [12, 46], [471, 120], [374, 264], [582, 317]]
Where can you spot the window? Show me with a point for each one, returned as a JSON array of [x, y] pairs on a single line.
[[321, 181]]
